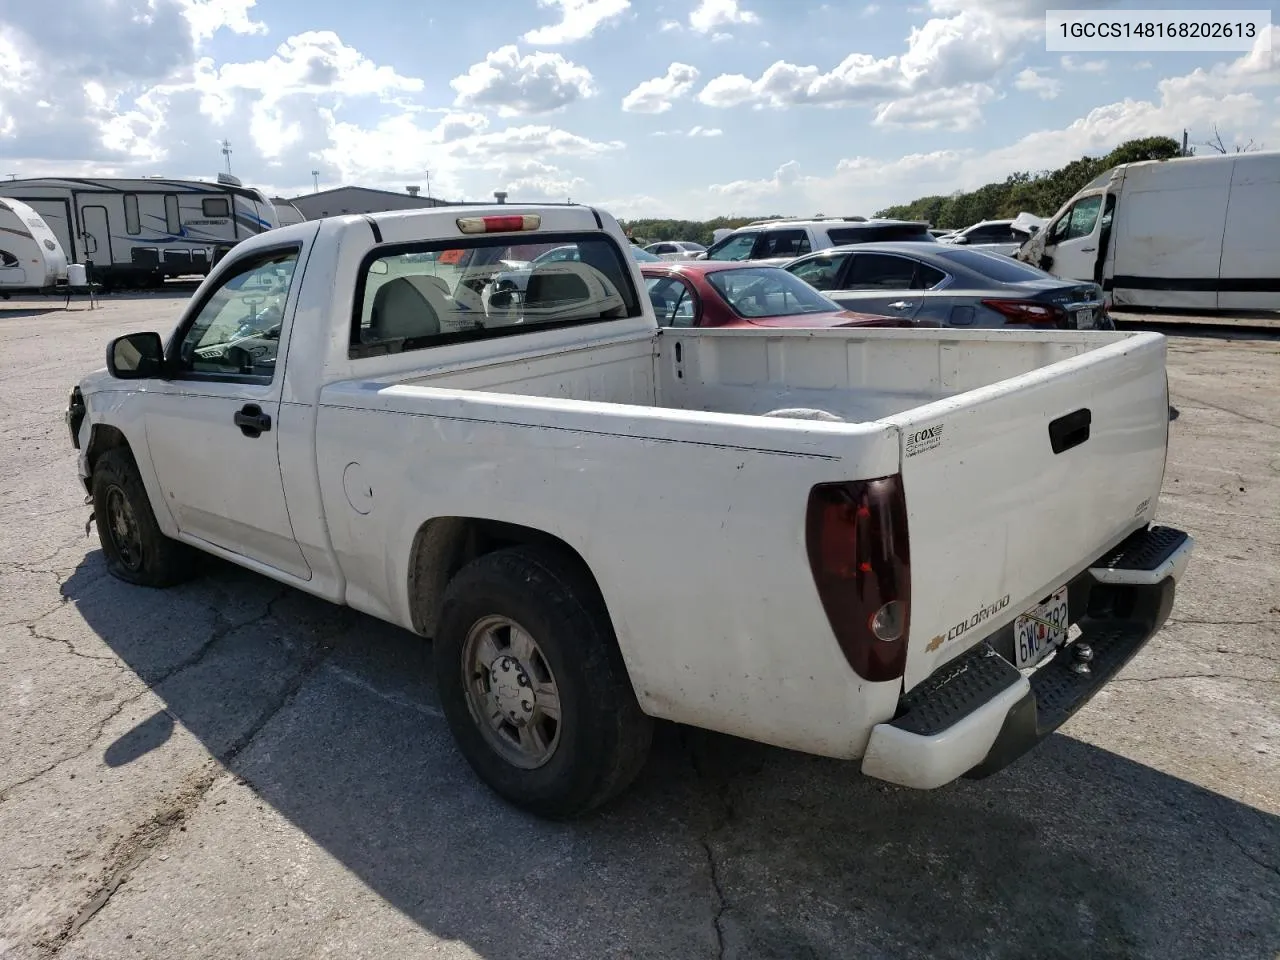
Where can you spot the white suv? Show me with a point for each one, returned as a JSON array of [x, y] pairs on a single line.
[[780, 241]]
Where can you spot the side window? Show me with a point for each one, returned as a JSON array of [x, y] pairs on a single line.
[[132, 222], [1109, 212], [172, 220], [880, 271], [822, 271], [237, 331], [685, 313], [736, 247], [782, 243], [7, 259], [927, 277], [1079, 221], [673, 302], [215, 207]]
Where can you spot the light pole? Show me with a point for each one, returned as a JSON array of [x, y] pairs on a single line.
[[315, 181], [226, 152], [428, 172]]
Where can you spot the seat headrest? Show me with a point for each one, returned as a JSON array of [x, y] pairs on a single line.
[[401, 310]]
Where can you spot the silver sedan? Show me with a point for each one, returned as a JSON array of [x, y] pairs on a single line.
[[939, 285]]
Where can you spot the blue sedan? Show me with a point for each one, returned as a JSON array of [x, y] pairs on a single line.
[[939, 285]]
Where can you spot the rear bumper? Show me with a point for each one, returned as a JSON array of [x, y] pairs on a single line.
[[977, 713]]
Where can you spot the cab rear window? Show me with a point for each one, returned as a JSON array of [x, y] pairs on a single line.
[[431, 294]]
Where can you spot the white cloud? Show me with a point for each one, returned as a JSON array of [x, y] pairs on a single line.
[[871, 9], [313, 62], [1047, 88], [657, 94], [697, 131], [578, 20], [667, 26], [1226, 94], [952, 108], [1073, 65], [532, 181], [462, 166], [207, 17], [785, 176], [970, 47], [710, 14], [519, 86]]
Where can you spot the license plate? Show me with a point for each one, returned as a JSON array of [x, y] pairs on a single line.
[[1084, 319], [1041, 630]]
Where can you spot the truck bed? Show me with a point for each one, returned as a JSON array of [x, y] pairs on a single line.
[[855, 375], [585, 441]]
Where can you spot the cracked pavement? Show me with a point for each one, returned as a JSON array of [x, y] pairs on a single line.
[[233, 769]]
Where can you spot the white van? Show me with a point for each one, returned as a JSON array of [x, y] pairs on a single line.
[[31, 258], [1197, 233]]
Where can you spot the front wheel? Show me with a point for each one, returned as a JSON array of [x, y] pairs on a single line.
[[533, 684], [135, 549]]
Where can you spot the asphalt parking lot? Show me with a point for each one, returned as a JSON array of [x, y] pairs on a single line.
[[233, 769]]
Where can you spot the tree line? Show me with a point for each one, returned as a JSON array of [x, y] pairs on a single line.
[[1040, 192], [699, 231]]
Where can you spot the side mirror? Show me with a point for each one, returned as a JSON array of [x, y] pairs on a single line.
[[379, 267], [960, 240], [135, 356]]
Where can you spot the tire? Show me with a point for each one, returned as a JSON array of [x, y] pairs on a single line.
[[135, 549], [600, 738]]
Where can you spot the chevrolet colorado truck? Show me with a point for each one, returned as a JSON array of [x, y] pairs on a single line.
[[923, 549]]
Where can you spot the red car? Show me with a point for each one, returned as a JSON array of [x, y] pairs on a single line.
[[720, 293]]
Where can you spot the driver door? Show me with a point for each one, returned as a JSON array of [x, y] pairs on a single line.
[[1074, 240], [212, 428]]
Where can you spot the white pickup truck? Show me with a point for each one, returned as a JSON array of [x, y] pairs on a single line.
[[921, 548]]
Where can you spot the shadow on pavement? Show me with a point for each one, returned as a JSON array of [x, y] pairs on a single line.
[[723, 847]]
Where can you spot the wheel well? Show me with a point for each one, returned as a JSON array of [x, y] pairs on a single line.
[[101, 439], [444, 545]]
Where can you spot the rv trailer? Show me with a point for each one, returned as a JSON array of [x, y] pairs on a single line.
[[135, 233], [31, 258]]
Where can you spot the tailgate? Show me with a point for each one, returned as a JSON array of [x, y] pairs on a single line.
[[996, 518]]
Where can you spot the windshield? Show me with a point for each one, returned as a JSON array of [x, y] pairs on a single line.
[[768, 292], [736, 246], [487, 286], [996, 266]]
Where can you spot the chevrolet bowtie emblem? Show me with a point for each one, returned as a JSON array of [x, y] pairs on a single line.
[[935, 643]]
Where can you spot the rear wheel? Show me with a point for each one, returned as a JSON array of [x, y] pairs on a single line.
[[533, 684], [135, 549]]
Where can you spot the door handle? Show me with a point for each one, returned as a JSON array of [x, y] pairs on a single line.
[[1088, 249], [252, 421], [1071, 430], [900, 305]]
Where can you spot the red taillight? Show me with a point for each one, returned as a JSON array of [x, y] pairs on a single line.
[[1029, 312], [503, 224], [856, 534]]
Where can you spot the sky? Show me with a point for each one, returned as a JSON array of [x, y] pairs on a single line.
[[680, 108]]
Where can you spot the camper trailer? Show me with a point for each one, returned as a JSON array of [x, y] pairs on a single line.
[[31, 258], [135, 233], [1195, 233]]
